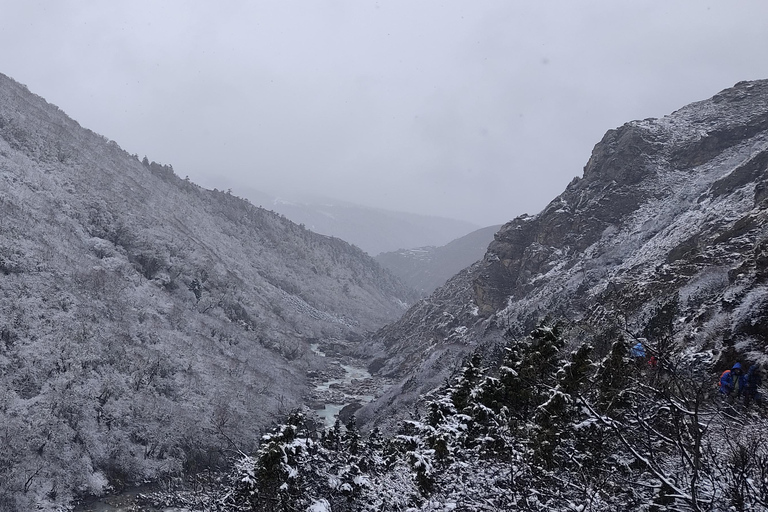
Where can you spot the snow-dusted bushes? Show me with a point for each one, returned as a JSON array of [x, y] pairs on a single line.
[[545, 430]]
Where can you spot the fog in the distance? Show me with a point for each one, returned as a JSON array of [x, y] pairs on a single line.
[[477, 110]]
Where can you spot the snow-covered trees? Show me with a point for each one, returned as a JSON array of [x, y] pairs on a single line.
[[572, 435], [298, 468], [147, 325]]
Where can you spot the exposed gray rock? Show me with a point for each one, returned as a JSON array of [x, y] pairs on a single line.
[[348, 411], [669, 211]]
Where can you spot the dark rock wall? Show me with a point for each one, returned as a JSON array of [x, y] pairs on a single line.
[[668, 211]]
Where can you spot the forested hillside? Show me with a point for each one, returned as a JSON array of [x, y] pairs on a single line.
[[145, 322]]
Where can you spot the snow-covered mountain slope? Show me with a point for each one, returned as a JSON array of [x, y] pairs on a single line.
[[664, 237], [145, 322], [426, 268]]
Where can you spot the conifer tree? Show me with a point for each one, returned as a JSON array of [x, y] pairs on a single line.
[[412, 443], [272, 481], [529, 368], [352, 437], [441, 413], [461, 392], [613, 378], [554, 417], [576, 373]]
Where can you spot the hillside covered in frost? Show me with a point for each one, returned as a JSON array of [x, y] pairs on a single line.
[[669, 212], [146, 322], [149, 327]]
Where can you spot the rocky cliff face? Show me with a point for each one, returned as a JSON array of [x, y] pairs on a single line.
[[664, 237], [145, 322]]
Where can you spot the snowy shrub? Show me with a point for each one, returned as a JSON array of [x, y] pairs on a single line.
[[97, 483]]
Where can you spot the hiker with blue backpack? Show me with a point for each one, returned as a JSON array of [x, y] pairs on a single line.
[[732, 381]]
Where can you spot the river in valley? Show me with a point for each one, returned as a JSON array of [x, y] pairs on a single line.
[[347, 385], [123, 502], [338, 385]]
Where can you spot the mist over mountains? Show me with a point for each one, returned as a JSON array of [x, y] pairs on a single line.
[[150, 327], [427, 268], [372, 229]]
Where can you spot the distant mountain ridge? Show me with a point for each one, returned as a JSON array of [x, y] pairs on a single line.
[[665, 237], [427, 268], [145, 322], [374, 230]]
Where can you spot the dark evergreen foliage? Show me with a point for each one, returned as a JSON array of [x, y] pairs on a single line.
[[571, 435]]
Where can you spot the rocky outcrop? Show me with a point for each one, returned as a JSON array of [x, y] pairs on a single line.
[[669, 211]]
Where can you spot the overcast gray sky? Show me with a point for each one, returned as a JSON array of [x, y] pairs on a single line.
[[475, 109]]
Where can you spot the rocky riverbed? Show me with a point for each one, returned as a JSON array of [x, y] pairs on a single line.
[[342, 386]]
